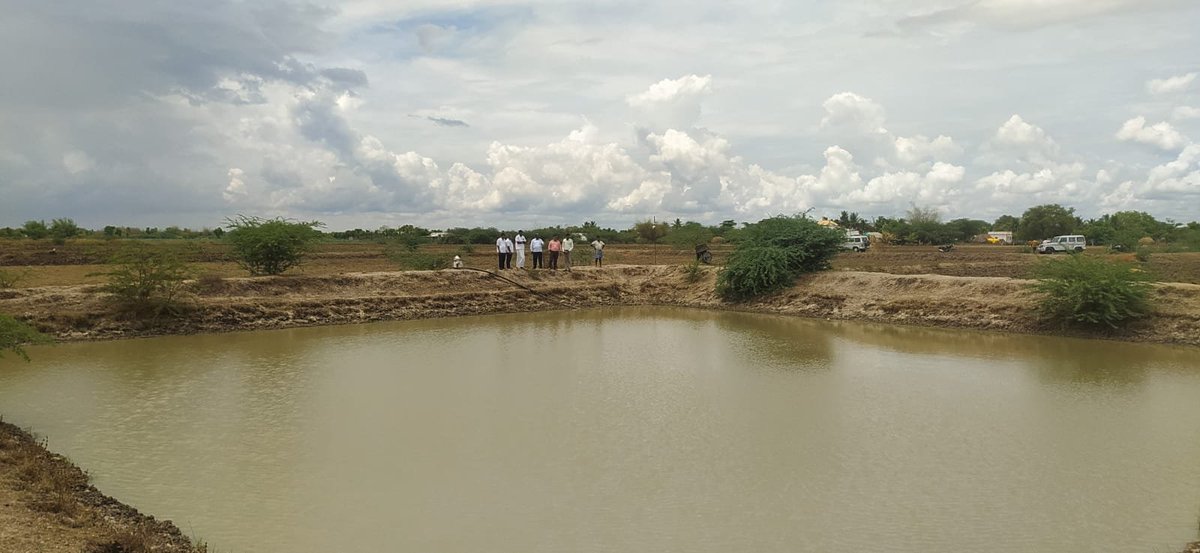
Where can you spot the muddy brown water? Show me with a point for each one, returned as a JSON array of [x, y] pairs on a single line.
[[632, 429]]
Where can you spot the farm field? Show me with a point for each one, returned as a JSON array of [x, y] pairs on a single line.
[[40, 263]]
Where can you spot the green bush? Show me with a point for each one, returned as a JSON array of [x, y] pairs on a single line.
[[1088, 291], [692, 272], [147, 282], [808, 245], [1142, 254], [270, 246], [15, 334], [773, 252], [754, 271]]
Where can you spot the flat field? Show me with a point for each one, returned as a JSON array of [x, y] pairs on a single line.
[[40, 263]]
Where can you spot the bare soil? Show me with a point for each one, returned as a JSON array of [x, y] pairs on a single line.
[[47, 506]]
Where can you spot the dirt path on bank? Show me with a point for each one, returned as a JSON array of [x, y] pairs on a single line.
[[219, 305]]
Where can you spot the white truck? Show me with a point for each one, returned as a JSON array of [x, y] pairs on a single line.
[[1069, 243]]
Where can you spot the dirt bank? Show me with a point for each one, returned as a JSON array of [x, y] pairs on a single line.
[[218, 305], [47, 506]]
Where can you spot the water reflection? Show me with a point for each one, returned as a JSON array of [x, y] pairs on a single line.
[[631, 429]]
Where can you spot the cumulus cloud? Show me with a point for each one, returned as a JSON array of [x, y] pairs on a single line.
[[1170, 85], [671, 103], [1017, 140], [1161, 134], [1175, 182], [849, 110]]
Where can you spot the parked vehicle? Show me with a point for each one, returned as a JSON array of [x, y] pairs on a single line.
[[857, 242], [1066, 243]]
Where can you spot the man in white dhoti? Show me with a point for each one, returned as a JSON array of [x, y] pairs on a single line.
[[519, 248]]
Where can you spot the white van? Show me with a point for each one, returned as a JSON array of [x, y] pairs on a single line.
[[1064, 243], [858, 243]]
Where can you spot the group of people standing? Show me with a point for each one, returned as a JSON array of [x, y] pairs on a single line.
[[507, 248]]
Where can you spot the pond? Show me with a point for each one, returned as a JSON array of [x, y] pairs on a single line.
[[631, 429]]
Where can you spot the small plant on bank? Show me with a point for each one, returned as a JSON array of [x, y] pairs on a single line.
[[421, 261], [14, 335], [1087, 291], [1142, 254], [692, 272], [11, 278], [147, 283], [270, 246]]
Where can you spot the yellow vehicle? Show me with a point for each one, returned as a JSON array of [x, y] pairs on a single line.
[[995, 240]]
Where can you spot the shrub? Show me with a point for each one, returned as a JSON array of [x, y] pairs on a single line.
[[1142, 254], [147, 282], [773, 252], [15, 334], [808, 245], [692, 273], [10, 279], [1087, 291], [270, 246], [35, 229], [754, 271]]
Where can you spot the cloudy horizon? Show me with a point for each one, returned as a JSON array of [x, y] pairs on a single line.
[[364, 113]]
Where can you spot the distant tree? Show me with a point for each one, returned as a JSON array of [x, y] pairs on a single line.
[[1006, 223], [917, 215], [964, 230], [35, 230], [689, 235], [1045, 221], [678, 223], [852, 221], [270, 246], [62, 229], [650, 231]]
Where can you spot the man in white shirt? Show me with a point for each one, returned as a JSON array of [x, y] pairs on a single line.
[[519, 245], [536, 247], [567, 246], [503, 250], [598, 257]]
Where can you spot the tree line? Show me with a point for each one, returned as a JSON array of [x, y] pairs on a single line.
[[919, 225]]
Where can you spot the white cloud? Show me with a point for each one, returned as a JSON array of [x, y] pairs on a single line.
[[848, 110], [1160, 134], [671, 103], [914, 150], [1170, 85], [1182, 113]]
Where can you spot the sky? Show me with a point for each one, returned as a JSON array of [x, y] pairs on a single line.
[[369, 113]]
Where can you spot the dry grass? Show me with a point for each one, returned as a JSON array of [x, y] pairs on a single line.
[[51, 484]]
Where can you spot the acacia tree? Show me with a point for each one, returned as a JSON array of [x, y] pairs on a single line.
[[271, 246], [15, 334]]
